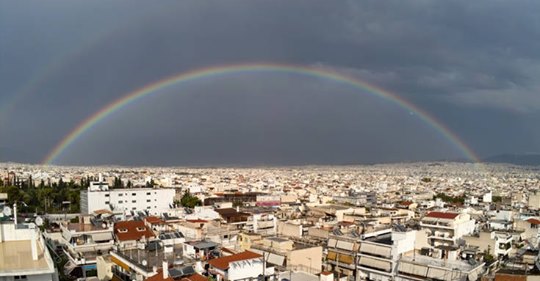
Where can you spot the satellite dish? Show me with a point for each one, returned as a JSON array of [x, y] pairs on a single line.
[[144, 262], [39, 221], [7, 211]]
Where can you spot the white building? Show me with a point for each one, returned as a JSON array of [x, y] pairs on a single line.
[[23, 254], [379, 253], [99, 197], [445, 228]]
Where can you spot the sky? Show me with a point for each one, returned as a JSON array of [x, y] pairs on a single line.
[[472, 65]]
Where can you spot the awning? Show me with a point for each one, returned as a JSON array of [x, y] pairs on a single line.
[[375, 250], [331, 256], [344, 245], [437, 273], [332, 243], [413, 269], [104, 236], [346, 259], [375, 263], [275, 259]]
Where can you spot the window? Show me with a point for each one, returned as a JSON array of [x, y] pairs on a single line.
[[133, 201], [106, 202], [120, 195], [141, 229], [148, 200], [107, 195], [122, 230], [148, 193], [120, 202], [149, 207], [20, 277], [133, 194]]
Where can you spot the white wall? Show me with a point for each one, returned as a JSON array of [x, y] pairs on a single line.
[[243, 270], [156, 201]]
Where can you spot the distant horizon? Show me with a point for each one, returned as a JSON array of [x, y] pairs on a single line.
[[262, 165]]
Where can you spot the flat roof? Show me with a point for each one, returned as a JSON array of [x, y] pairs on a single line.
[[16, 257], [81, 227], [277, 239]]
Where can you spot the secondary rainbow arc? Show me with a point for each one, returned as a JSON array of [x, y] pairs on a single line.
[[213, 71]]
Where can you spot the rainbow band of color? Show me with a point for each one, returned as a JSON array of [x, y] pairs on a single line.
[[213, 71]]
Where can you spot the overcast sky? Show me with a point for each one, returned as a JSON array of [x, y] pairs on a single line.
[[473, 65]]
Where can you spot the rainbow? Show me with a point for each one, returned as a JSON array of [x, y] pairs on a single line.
[[213, 71]]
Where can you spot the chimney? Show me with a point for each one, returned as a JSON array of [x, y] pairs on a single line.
[[34, 246], [165, 269], [15, 213]]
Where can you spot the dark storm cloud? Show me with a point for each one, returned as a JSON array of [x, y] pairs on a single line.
[[468, 63]]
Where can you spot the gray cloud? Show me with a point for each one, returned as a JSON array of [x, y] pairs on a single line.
[[467, 63]]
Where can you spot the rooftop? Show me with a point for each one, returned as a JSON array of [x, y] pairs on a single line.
[[16, 257], [223, 262], [442, 215], [429, 261], [82, 227], [131, 230]]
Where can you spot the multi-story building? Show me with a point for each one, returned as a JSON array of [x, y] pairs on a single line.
[[380, 251], [414, 267], [445, 228], [288, 254], [496, 243], [534, 201], [98, 196], [23, 254], [263, 223], [83, 243], [341, 255]]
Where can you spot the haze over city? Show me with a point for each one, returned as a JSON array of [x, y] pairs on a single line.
[[460, 79]]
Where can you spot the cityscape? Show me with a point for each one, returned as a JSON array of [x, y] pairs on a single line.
[[436, 220], [253, 140]]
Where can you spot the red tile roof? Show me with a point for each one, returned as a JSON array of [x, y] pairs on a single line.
[[153, 220], [197, 221], [223, 262], [533, 221], [442, 215], [406, 203], [131, 230]]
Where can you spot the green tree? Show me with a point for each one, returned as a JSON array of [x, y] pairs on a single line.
[[189, 200]]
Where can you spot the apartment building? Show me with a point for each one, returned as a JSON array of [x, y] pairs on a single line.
[[380, 251], [83, 243], [414, 267], [497, 243], [290, 254], [341, 255], [99, 196], [262, 223], [445, 228]]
